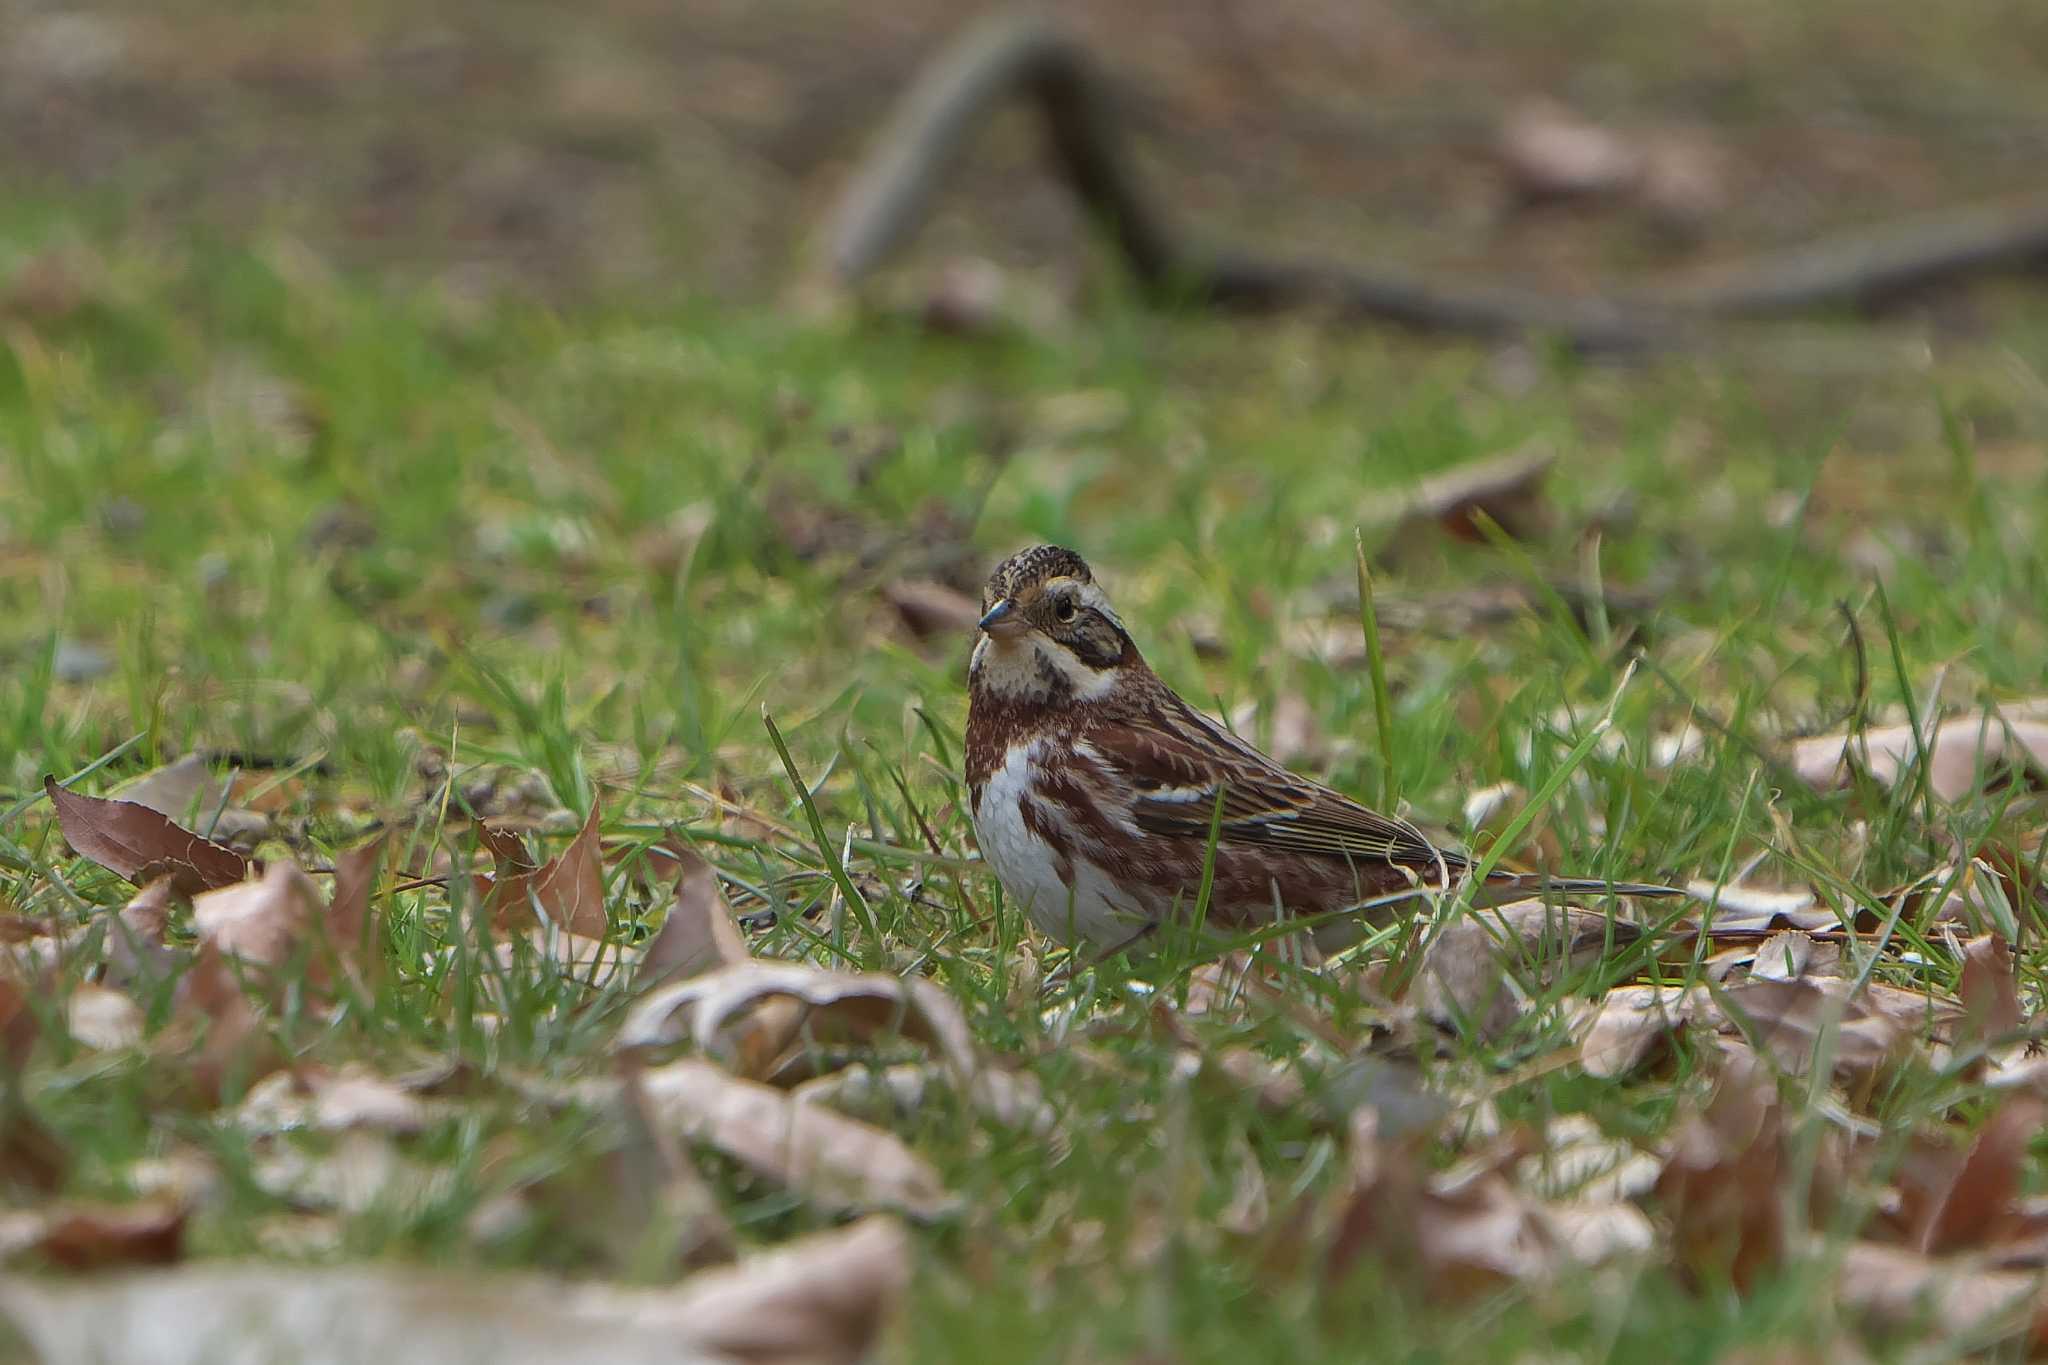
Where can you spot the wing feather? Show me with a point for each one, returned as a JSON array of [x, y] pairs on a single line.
[[1175, 760]]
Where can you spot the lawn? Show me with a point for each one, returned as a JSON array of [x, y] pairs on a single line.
[[403, 561]]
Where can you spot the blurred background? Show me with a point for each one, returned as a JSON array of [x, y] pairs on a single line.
[[624, 145]]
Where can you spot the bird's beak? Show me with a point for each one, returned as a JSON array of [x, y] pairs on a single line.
[[1002, 618]]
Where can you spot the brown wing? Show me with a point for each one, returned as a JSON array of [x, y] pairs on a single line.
[[1176, 759]]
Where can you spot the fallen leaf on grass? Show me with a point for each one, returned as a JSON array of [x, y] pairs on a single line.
[[821, 1300], [1506, 488], [184, 790], [102, 1018], [1460, 1231], [1631, 1023], [1579, 1161], [1012, 1099], [1990, 994], [138, 844], [824, 1299], [1787, 1020], [322, 1100], [96, 1236], [568, 888], [1741, 908], [836, 1162], [265, 922], [699, 933], [933, 610], [762, 1017], [349, 922], [135, 937], [1550, 152], [360, 1171], [1481, 969], [217, 1029], [1962, 751], [1968, 1201], [1900, 1287], [1721, 1187]]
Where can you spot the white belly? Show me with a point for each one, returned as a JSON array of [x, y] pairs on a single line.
[[1089, 908]]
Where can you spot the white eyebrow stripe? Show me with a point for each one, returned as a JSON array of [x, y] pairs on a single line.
[[1094, 597]]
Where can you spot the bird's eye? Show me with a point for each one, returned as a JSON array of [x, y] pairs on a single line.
[[1065, 610]]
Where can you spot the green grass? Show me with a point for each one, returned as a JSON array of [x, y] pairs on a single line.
[[432, 559]]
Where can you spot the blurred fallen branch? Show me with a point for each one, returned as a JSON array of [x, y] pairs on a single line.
[[1024, 55]]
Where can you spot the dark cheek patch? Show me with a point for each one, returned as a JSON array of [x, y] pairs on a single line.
[[1098, 645]]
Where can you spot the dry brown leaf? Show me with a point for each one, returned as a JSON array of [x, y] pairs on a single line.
[[820, 1300], [568, 888], [138, 844], [1790, 954], [932, 610], [1549, 152], [1990, 993], [836, 1162], [1627, 1026], [593, 963], [1478, 973], [355, 1316], [317, 1099], [349, 922], [96, 1236], [1961, 752], [1721, 1185], [1578, 1161], [1787, 1020], [102, 1018], [218, 1027], [1741, 908], [1901, 1287], [699, 934], [265, 922], [1968, 1202], [1506, 488], [657, 1191], [1462, 1231], [761, 1016], [30, 1154], [360, 1172], [1013, 1099], [823, 1298], [184, 790], [135, 937]]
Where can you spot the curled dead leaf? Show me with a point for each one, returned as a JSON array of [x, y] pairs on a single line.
[[314, 1098], [1790, 1021], [699, 934], [836, 1162], [931, 610], [1722, 1185], [1013, 1099], [568, 889], [139, 844], [1628, 1025], [135, 937], [102, 1018], [761, 1016], [1484, 966], [1962, 753], [821, 1300], [265, 922]]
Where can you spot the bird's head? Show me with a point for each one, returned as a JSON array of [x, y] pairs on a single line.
[[1047, 631]]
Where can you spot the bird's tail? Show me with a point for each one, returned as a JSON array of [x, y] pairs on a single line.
[[1541, 884]]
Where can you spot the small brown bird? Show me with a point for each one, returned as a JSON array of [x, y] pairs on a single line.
[[1094, 787]]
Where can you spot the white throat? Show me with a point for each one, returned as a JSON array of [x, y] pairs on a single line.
[[1031, 668]]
